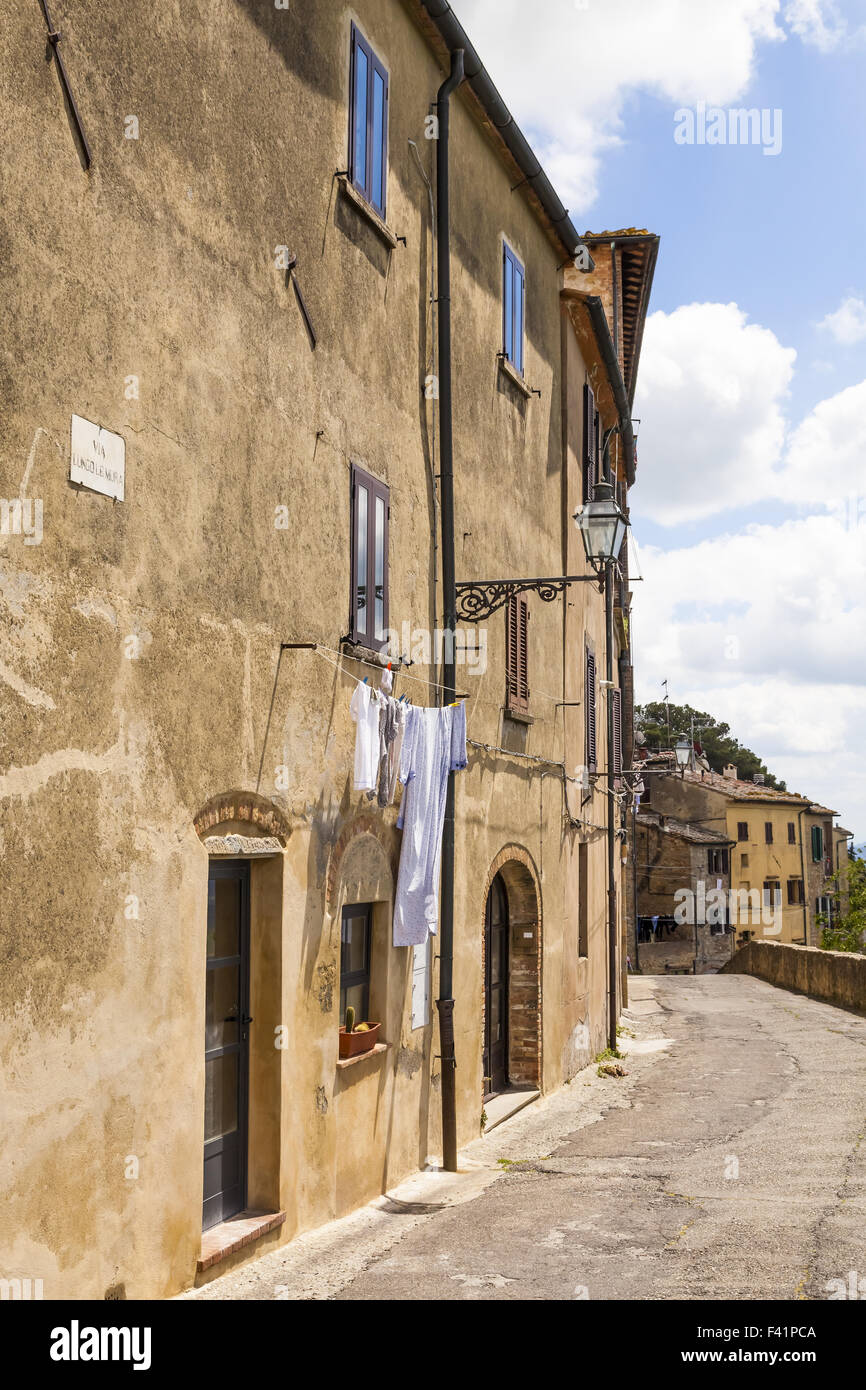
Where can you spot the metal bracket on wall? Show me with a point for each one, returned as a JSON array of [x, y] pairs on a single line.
[[54, 37], [302, 304], [480, 598]]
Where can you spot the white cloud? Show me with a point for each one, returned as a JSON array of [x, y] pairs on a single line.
[[566, 68], [824, 462], [764, 630], [847, 324], [710, 391], [817, 22]]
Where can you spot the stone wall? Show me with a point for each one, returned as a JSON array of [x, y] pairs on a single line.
[[838, 977]]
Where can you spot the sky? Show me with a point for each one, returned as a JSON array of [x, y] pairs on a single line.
[[749, 512]]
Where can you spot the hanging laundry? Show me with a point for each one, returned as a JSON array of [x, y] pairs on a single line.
[[434, 744], [392, 722], [364, 709]]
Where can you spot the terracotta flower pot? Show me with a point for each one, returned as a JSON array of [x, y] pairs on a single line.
[[354, 1044]]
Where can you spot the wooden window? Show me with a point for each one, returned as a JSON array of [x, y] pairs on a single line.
[[796, 895], [590, 443], [371, 514], [368, 123], [717, 861], [591, 753], [792, 833], [616, 696], [772, 892], [817, 844], [355, 940], [516, 656], [513, 307], [742, 830], [768, 832]]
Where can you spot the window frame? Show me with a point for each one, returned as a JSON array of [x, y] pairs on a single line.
[[768, 832], [350, 979], [817, 841], [792, 832], [743, 826], [796, 892], [375, 67], [517, 655], [512, 260], [773, 885], [590, 726], [376, 490]]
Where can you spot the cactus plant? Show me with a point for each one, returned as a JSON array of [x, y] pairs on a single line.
[[350, 1019]]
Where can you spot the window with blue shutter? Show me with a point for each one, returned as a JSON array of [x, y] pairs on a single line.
[[368, 125], [513, 296]]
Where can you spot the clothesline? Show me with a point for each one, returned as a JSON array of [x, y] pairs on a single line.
[[320, 649]]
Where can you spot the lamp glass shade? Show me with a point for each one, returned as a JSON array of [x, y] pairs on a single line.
[[683, 751], [602, 525]]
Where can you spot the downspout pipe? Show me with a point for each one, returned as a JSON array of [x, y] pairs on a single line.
[[611, 810], [445, 1002]]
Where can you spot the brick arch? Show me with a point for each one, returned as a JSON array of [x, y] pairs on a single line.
[[523, 891], [230, 806], [366, 823]]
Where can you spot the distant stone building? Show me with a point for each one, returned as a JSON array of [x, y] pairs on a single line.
[[678, 919]]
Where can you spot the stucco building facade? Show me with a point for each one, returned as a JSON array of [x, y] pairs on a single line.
[[251, 310]]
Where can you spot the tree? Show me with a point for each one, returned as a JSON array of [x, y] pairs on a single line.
[[847, 933], [712, 737]]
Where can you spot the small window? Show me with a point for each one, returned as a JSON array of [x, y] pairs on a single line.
[[744, 861], [768, 832], [590, 443], [371, 513], [796, 896], [591, 753], [717, 861], [513, 293], [516, 656], [616, 696], [742, 830], [817, 844], [368, 126], [772, 892], [355, 961], [792, 833]]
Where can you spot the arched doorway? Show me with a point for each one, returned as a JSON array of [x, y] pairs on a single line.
[[511, 974], [496, 989]]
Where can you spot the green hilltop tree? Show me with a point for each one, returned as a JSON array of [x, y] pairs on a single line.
[[714, 737]]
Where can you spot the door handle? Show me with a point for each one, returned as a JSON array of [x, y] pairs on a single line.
[[246, 1018]]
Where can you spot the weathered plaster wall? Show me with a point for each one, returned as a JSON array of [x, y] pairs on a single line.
[[140, 663]]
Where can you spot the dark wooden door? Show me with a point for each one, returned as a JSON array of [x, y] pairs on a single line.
[[226, 1044], [496, 989]]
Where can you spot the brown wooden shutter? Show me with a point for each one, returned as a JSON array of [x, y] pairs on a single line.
[[590, 442], [616, 696], [589, 704], [517, 654]]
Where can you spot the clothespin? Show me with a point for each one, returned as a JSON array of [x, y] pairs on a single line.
[[365, 680]]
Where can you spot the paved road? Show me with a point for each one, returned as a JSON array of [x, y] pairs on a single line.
[[730, 1163]]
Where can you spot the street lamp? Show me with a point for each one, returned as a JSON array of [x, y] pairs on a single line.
[[683, 751], [602, 526]]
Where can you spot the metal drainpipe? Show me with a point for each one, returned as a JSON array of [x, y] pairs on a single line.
[[611, 809], [445, 1002]]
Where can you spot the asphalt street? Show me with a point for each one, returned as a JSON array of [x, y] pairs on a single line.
[[728, 1163]]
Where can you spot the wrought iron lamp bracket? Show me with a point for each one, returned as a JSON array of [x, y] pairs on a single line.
[[480, 598]]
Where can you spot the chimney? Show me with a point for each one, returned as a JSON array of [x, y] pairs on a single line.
[[730, 772]]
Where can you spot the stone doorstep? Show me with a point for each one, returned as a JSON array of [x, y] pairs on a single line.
[[223, 1240], [500, 1108]]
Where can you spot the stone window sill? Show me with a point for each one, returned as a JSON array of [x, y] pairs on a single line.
[[343, 1062], [520, 716], [514, 376], [350, 192], [223, 1240]]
